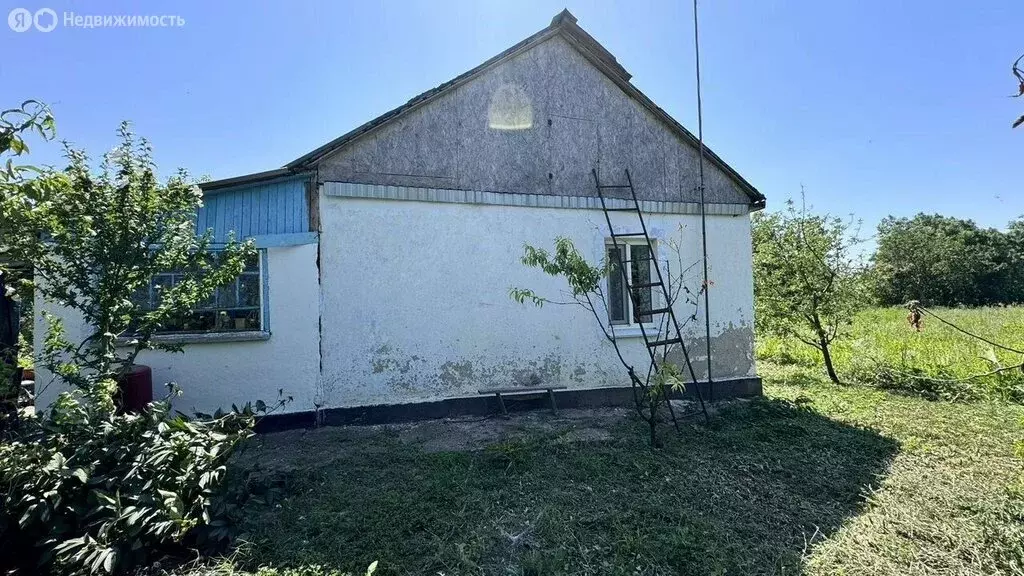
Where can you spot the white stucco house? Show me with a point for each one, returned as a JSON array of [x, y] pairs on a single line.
[[387, 254]]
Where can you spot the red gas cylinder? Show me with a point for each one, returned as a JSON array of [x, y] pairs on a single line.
[[135, 388]]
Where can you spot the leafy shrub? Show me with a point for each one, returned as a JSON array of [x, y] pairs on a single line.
[[84, 489], [87, 491]]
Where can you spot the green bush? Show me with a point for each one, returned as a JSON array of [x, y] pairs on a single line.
[[84, 491]]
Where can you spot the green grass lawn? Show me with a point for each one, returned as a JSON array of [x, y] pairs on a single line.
[[812, 479], [938, 362]]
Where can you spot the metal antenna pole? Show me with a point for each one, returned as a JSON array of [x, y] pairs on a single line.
[[703, 212]]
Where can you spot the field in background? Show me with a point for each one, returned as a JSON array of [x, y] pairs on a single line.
[[883, 350]]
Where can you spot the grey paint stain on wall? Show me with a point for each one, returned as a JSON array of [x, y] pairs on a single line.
[[456, 375], [732, 353], [401, 371], [413, 375]]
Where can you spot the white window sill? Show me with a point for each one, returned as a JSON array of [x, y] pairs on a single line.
[[634, 331], [203, 337]]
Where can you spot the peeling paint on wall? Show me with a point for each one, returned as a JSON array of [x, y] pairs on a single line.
[[456, 375], [399, 370], [415, 375], [732, 353], [435, 320]]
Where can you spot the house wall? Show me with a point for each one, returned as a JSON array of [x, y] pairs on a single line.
[[275, 207], [416, 304], [407, 299], [218, 374], [569, 118]]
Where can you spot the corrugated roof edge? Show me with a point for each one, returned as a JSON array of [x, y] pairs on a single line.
[[563, 23], [277, 174]]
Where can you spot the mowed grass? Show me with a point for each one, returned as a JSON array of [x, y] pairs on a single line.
[[812, 479], [938, 362]]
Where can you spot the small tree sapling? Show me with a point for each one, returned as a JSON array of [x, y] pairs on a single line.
[[587, 290]]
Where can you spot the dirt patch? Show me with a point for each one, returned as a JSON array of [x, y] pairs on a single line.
[[306, 448], [464, 434], [311, 448]]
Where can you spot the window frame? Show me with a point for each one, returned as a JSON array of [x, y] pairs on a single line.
[[262, 307], [630, 323]]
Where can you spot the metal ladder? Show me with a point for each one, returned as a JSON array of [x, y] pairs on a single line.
[[668, 339]]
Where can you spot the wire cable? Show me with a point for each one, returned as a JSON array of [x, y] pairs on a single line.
[[971, 334], [703, 212]]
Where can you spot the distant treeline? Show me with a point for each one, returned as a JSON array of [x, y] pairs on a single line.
[[944, 261]]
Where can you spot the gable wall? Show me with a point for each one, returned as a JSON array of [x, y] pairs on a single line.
[[580, 121]]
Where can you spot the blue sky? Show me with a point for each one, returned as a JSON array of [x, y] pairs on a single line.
[[876, 107]]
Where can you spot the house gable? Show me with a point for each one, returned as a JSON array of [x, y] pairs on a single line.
[[536, 119]]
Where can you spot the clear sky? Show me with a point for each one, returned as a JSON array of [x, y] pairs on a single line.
[[876, 106]]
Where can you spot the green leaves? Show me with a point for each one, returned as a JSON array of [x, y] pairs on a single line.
[[946, 261], [31, 116], [95, 493], [567, 262], [88, 491], [96, 238], [521, 295], [808, 278]]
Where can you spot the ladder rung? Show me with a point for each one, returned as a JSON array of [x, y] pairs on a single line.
[[657, 343], [645, 284], [621, 209], [654, 311], [634, 234]]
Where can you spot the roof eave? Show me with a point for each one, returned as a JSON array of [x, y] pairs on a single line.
[[275, 174]]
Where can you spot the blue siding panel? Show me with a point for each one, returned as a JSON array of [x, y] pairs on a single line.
[[267, 206], [250, 218], [277, 207], [281, 214]]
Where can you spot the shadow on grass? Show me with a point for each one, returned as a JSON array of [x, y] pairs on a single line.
[[748, 495]]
